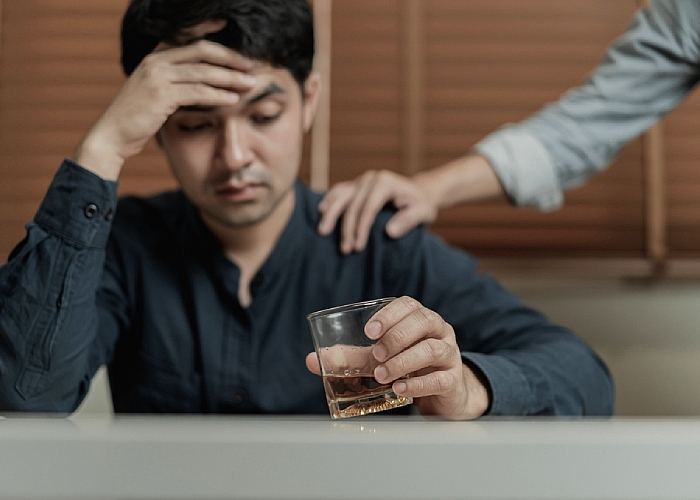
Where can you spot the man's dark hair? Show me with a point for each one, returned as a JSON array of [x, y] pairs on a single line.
[[279, 32]]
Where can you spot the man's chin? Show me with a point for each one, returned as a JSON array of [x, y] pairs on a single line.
[[245, 217], [242, 215]]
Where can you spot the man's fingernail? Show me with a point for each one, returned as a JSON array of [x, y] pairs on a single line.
[[400, 387], [248, 80], [379, 352], [381, 373], [373, 329], [392, 229]]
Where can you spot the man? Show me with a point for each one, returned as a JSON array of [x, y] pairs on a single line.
[[196, 299], [645, 73]]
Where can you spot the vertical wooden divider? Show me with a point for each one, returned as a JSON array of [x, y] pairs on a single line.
[[413, 72], [655, 192], [321, 133]]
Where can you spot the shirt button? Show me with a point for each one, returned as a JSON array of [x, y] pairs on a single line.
[[90, 210], [239, 396]]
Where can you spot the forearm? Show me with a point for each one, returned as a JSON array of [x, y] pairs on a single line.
[[97, 154], [559, 375], [467, 179], [645, 73], [48, 316]]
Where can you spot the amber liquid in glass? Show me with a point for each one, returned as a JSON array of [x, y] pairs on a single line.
[[359, 394]]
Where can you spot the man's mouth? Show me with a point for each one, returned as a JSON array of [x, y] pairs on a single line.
[[240, 192]]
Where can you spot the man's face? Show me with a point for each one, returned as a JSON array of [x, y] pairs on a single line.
[[237, 163]]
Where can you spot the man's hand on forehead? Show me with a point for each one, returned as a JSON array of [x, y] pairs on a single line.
[[203, 73]]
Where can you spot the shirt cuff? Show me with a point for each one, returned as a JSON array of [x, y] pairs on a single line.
[[79, 206], [509, 389], [523, 167]]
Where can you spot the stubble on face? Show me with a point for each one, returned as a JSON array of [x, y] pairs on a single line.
[[267, 164], [241, 216]]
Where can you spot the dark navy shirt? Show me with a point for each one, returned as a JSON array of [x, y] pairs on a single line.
[[144, 288]]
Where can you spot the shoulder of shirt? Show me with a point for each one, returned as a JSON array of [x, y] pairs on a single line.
[[309, 199]]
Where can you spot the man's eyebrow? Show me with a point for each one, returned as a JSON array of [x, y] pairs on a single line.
[[197, 108], [271, 89]]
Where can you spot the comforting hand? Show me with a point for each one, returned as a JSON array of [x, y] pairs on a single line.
[[360, 200], [203, 73], [413, 340]]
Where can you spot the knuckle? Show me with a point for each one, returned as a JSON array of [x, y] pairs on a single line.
[[385, 177], [443, 382], [157, 93], [436, 349], [409, 302], [428, 316], [398, 337], [341, 187], [369, 175], [419, 385], [399, 366], [200, 45], [151, 66]]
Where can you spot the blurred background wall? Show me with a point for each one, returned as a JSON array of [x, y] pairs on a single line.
[[413, 84]]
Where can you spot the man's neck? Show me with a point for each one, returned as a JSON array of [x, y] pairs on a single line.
[[250, 246]]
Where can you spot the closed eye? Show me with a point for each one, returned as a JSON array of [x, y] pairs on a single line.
[[198, 127], [261, 119]]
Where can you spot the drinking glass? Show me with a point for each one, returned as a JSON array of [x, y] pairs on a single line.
[[347, 364]]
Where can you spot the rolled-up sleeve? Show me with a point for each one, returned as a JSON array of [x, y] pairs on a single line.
[[644, 74]]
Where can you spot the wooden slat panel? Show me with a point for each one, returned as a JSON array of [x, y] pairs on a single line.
[[366, 79], [486, 63], [682, 155], [59, 70], [546, 9], [496, 62]]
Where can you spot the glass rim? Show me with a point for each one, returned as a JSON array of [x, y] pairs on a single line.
[[349, 307]]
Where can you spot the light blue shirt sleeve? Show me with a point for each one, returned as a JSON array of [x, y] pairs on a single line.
[[644, 74]]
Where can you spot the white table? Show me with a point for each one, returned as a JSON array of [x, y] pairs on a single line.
[[362, 458]]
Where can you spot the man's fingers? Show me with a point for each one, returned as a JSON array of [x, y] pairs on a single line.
[[429, 353], [406, 219], [390, 315], [349, 223], [312, 363], [209, 52], [379, 195], [436, 383], [397, 333], [189, 94], [216, 76], [332, 206]]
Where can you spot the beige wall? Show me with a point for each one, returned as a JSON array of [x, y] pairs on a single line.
[[648, 334]]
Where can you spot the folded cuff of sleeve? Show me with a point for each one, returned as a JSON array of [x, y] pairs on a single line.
[[79, 206], [510, 391], [523, 167]]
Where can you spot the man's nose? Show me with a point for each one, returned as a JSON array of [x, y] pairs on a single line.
[[234, 148]]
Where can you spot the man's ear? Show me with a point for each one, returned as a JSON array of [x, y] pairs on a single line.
[[312, 89]]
